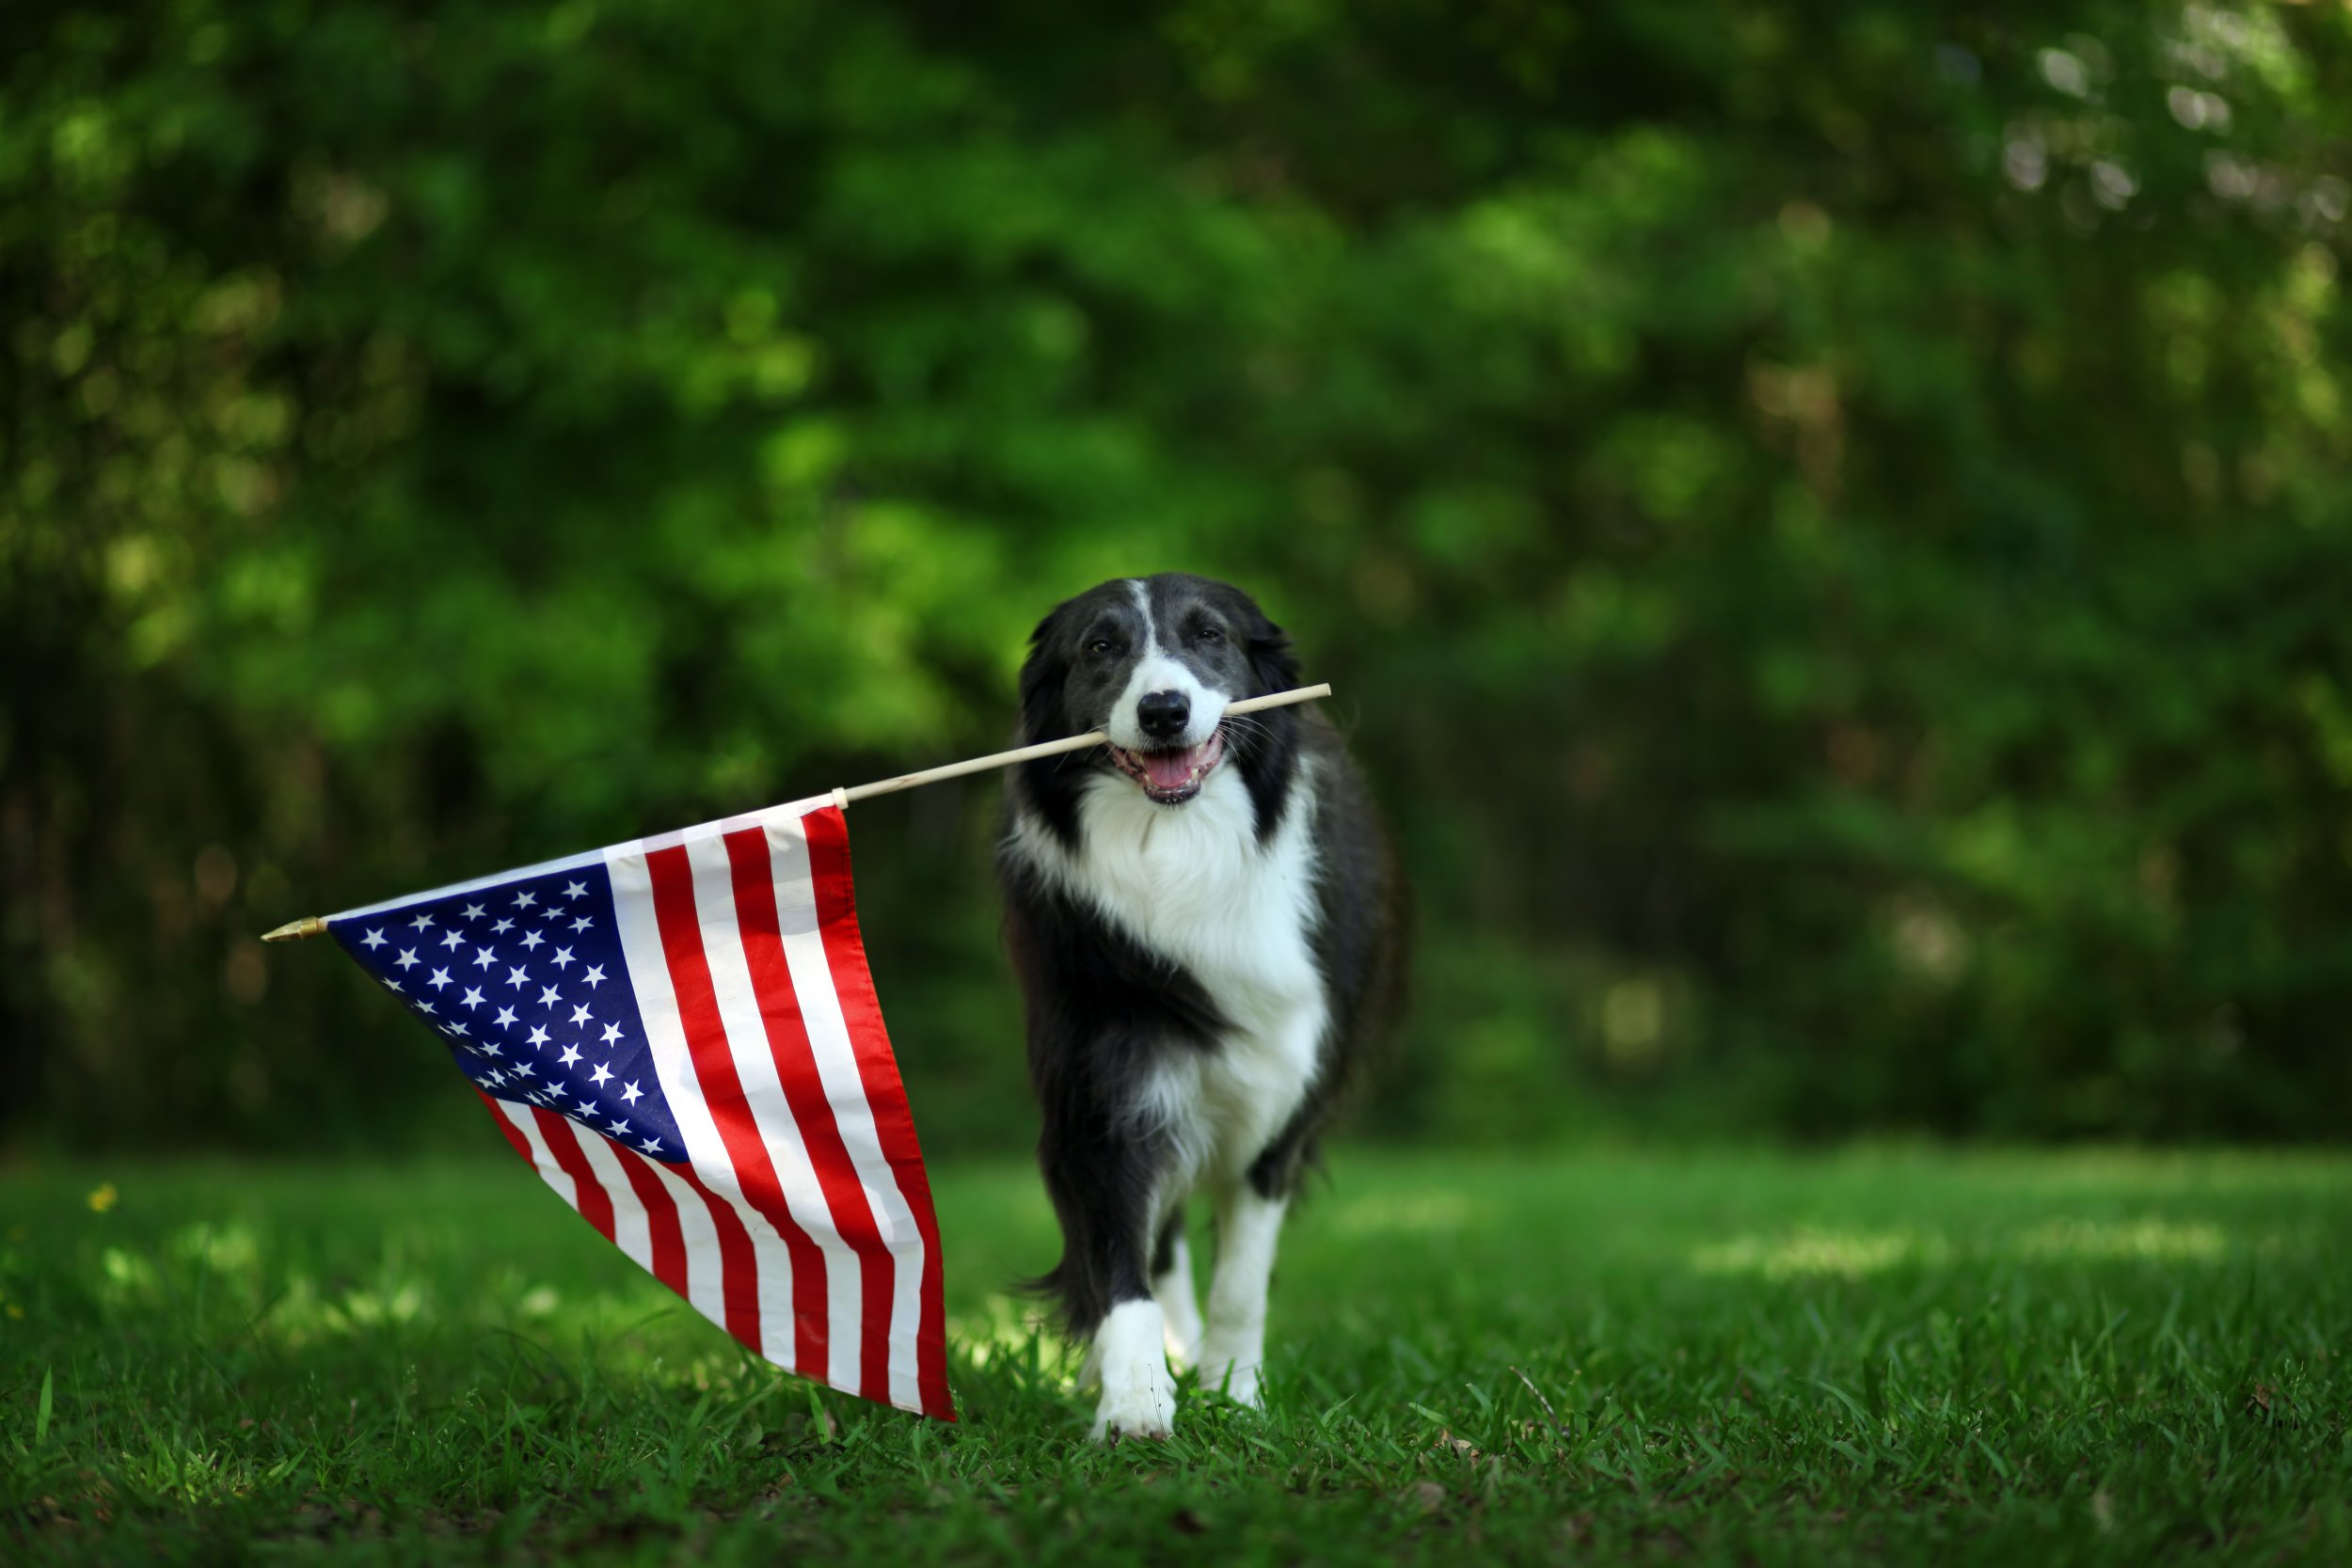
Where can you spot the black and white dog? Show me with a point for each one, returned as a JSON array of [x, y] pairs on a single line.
[[1205, 919]]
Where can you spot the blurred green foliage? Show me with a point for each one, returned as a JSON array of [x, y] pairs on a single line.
[[1828, 520]]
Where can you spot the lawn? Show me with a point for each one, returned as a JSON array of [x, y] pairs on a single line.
[[1994, 1357]]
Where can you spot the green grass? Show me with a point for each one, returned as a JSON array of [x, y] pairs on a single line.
[[2006, 1358]]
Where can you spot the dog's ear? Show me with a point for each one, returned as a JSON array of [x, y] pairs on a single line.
[[1271, 662], [1042, 673]]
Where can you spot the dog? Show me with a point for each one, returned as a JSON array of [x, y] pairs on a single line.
[[1207, 919]]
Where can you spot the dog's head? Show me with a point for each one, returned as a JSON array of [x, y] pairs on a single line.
[[1154, 661]]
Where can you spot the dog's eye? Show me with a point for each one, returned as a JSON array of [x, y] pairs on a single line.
[[1209, 634], [1100, 646]]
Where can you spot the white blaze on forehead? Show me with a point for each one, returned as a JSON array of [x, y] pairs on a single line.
[[1158, 669]]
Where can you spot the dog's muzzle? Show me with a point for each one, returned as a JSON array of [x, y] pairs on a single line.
[[1174, 776]]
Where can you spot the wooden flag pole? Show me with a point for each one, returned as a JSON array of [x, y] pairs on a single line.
[[312, 926], [1051, 748]]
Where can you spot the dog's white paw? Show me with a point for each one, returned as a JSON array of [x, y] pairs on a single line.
[[1139, 1395], [1145, 1412]]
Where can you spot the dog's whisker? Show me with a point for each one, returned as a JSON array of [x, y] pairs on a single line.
[[1245, 733]]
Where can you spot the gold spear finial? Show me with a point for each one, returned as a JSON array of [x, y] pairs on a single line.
[[294, 930]]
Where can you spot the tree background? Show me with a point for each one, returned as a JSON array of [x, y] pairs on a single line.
[[1828, 521]]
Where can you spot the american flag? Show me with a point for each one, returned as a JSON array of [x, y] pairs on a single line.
[[681, 1036]]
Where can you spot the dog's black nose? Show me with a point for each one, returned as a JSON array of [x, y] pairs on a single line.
[[1163, 715]]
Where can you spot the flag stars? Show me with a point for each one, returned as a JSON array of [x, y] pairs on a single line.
[[548, 1036]]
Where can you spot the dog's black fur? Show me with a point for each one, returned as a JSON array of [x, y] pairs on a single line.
[[1104, 1006]]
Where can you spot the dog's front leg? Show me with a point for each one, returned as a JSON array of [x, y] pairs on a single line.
[[1233, 1349], [1105, 1181], [1130, 1352]]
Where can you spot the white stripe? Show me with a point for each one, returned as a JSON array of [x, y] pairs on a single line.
[[554, 1175], [674, 1065], [763, 1093], [837, 1070], [706, 1266], [632, 1232]]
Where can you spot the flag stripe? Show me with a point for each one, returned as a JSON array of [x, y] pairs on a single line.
[[588, 1194], [831, 1294], [836, 1057], [648, 1223], [741, 1285], [754, 869], [665, 1236], [542, 1159], [630, 1233], [731, 1271], [498, 1115], [828, 835], [723, 1092]]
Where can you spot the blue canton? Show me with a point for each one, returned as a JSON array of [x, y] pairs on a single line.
[[526, 982]]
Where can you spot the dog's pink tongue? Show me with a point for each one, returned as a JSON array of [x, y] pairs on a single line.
[[1170, 770]]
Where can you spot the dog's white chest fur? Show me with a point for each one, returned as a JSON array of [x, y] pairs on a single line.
[[1194, 883]]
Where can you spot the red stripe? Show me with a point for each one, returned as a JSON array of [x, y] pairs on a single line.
[[668, 1240], [672, 880], [513, 1135], [739, 1262], [845, 954], [753, 865], [589, 1197]]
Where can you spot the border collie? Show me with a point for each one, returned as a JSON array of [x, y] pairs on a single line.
[[1205, 917]]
